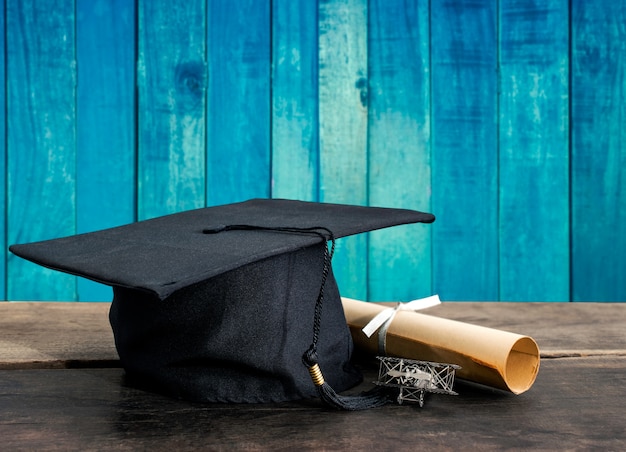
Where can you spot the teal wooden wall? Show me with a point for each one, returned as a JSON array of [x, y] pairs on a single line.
[[503, 118]]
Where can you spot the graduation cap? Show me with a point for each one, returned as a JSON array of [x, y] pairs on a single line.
[[223, 304]]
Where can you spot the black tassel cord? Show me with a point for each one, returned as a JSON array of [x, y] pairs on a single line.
[[327, 394], [325, 391]]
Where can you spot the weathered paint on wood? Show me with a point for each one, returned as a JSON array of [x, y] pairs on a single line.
[[295, 139], [41, 121], [534, 151], [105, 124], [3, 165], [598, 151], [465, 158], [399, 147], [171, 78], [343, 98], [350, 101], [239, 130]]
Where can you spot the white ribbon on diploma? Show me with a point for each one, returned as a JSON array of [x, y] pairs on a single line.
[[384, 318]]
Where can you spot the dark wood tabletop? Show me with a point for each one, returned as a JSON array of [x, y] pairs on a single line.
[[61, 388]]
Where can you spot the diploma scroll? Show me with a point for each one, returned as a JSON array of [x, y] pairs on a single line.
[[492, 357]]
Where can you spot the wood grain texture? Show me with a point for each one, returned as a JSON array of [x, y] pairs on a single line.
[[94, 409], [121, 110], [46, 335], [399, 146], [105, 177], [55, 335], [575, 404], [534, 151], [239, 105], [87, 408], [598, 151], [171, 78], [3, 163], [41, 144], [465, 159], [556, 327], [295, 140], [343, 111]]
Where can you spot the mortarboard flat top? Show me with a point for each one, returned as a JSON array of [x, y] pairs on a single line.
[[167, 253]]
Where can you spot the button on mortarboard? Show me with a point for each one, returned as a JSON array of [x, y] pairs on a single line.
[[223, 316]]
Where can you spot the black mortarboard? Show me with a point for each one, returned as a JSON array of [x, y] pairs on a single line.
[[218, 304]]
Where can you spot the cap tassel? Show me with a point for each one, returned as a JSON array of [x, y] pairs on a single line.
[[371, 399], [363, 401]]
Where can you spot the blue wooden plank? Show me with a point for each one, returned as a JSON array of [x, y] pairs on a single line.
[[598, 151], [465, 150], [343, 97], [41, 140], [239, 110], [295, 150], [105, 47], [399, 145], [534, 148], [3, 156], [171, 78]]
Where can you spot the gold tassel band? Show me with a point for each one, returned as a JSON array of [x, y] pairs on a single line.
[[316, 375]]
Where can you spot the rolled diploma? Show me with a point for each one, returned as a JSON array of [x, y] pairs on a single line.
[[488, 356]]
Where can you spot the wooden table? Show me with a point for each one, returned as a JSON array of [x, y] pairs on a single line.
[[61, 388]]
